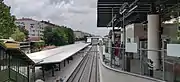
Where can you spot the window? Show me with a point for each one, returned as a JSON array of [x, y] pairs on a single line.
[[33, 30], [33, 34], [32, 27], [32, 24]]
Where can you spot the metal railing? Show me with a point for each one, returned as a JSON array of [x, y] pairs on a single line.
[[169, 66]]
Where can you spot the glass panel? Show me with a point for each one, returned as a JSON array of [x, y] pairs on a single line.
[[4, 75], [13, 74]]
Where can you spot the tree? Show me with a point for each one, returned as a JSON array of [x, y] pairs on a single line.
[[71, 37], [48, 34], [58, 35], [24, 31], [7, 25], [18, 35]]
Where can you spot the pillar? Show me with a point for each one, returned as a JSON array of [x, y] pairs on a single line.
[[28, 75], [33, 73], [68, 60], [113, 37], [122, 36], [64, 63], [52, 70], [43, 70], [110, 51], [153, 39], [109, 46], [59, 66]]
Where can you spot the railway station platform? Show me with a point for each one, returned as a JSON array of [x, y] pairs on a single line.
[[64, 72], [53, 64], [109, 74]]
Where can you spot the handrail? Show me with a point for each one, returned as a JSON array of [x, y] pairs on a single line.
[[124, 72]]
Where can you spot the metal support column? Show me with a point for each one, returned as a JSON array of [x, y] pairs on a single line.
[[52, 70], [59, 66], [140, 56], [112, 38], [153, 39], [124, 44], [33, 72], [64, 63], [68, 60], [163, 57], [43, 72], [28, 73]]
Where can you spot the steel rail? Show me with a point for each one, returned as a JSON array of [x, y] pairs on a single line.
[[77, 69]]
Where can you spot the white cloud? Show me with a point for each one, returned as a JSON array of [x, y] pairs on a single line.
[[77, 14]]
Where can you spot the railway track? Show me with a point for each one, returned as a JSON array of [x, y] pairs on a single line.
[[87, 70]]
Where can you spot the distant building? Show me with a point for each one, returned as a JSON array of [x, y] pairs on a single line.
[[35, 28], [47, 23], [80, 34], [137, 31]]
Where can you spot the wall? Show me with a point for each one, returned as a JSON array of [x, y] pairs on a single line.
[[35, 28], [130, 33]]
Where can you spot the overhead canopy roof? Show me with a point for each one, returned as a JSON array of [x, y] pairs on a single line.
[[56, 55], [108, 8], [17, 53]]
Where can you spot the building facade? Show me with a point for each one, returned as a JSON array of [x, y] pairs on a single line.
[[138, 31], [80, 34], [35, 28]]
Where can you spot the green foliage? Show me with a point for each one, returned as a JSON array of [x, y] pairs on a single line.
[[18, 35], [59, 35], [24, 31], [39, 44], [175, 41], [7, 25]]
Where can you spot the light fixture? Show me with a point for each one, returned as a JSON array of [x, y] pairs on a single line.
[[133, 8], [123, 11]]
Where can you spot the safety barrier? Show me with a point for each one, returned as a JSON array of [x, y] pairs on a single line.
[[124, 72]]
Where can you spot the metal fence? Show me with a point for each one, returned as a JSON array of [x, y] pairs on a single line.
[[137, 63]]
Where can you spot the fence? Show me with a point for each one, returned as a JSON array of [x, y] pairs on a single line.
[[138, 62]]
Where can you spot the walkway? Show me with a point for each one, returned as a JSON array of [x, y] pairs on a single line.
[[108, 74]]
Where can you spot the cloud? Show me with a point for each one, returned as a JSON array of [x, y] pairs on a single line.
[[77, 14]]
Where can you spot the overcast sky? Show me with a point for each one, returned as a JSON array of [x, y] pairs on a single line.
[[77, 14]]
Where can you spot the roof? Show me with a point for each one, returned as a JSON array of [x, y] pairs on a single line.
[[107, 9], [25, 19], [48, 23], [18, 53], [56, 55]]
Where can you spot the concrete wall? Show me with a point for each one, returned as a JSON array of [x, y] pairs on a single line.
[[136, 31], [130, 33]]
